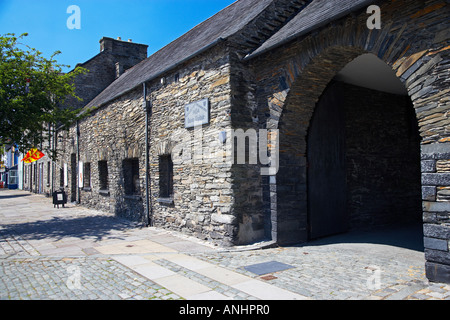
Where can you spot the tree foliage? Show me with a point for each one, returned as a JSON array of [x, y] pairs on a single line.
[[33, 90]]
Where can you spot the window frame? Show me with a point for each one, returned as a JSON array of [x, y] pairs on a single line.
[[129, 183], [87, 176], [166, 175], [103, 175]]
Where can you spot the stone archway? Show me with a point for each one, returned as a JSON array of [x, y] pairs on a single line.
[[292, 77], [363, 153], [297, 112], [298, 109]]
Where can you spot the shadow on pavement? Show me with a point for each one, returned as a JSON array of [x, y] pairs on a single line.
[[408, 237], [94, 228], [12, 196]]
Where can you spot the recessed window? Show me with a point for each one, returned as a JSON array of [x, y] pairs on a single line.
[[103, 175], [48, 173], [165, 176], [131, 176], [61, 177], [86, 175]]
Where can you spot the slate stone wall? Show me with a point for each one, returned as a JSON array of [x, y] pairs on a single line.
[[99, 140], [382, 159], [234, 204], [203, 198], [289, 80], [436, 210]]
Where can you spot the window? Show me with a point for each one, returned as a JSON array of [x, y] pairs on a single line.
[[87, 175], [61, 177], [13, 177], [48, 173], [103, 174], [165, 176], [131, 176]]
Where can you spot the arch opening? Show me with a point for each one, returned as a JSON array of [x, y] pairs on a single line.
[[360, 159]]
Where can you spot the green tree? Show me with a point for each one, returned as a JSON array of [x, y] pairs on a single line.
[[33, 90]]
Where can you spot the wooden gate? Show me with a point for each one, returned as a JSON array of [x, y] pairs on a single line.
[[327, 203]]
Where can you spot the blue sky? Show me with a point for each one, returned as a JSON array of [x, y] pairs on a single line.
[[152, 22]]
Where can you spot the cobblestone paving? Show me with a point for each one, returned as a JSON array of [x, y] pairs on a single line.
[[50, 254], [340, 272], [12, 243], [45, 278]]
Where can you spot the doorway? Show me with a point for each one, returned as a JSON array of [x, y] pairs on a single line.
[[363, 160], [73, 182], [327, 195]]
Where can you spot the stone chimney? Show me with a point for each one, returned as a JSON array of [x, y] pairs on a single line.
[[125, 54], [123, 48]]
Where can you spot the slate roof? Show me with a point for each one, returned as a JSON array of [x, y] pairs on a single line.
[[318, 13], [220, 26]]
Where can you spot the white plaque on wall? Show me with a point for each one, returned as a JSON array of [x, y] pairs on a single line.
[[66, 173], [196, 113], [80, 174]]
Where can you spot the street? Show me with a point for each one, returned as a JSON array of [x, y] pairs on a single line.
[[75, 253]]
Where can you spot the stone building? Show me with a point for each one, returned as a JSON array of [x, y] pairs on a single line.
[[353, 117], [114, 59]]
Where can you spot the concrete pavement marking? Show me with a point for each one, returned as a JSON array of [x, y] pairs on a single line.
[[182, 286], [192, 278], [131, 261], [134, 247], [209, 295], [186, 261], [153, 272], [222, 275], [266, 291], [206, 269]]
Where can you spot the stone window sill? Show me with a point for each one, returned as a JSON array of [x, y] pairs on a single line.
[[132, 197], [86, 189], [104, 192], [165, 200]]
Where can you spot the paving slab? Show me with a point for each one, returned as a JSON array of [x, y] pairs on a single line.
[[209, 295], [267, 267], [182, 286], [223, 275], [266, 291], [131, 260], [186, 261], [152, 271]]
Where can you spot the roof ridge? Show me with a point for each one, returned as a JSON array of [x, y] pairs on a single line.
[[236, 17]]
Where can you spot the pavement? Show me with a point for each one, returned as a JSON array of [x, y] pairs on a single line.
[[75, 253]]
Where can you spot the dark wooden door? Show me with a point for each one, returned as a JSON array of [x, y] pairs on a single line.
[[73, 182], [327, 203]]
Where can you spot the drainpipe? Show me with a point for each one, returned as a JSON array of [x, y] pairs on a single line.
[[78, 163], [51, 146], [147, 109]]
